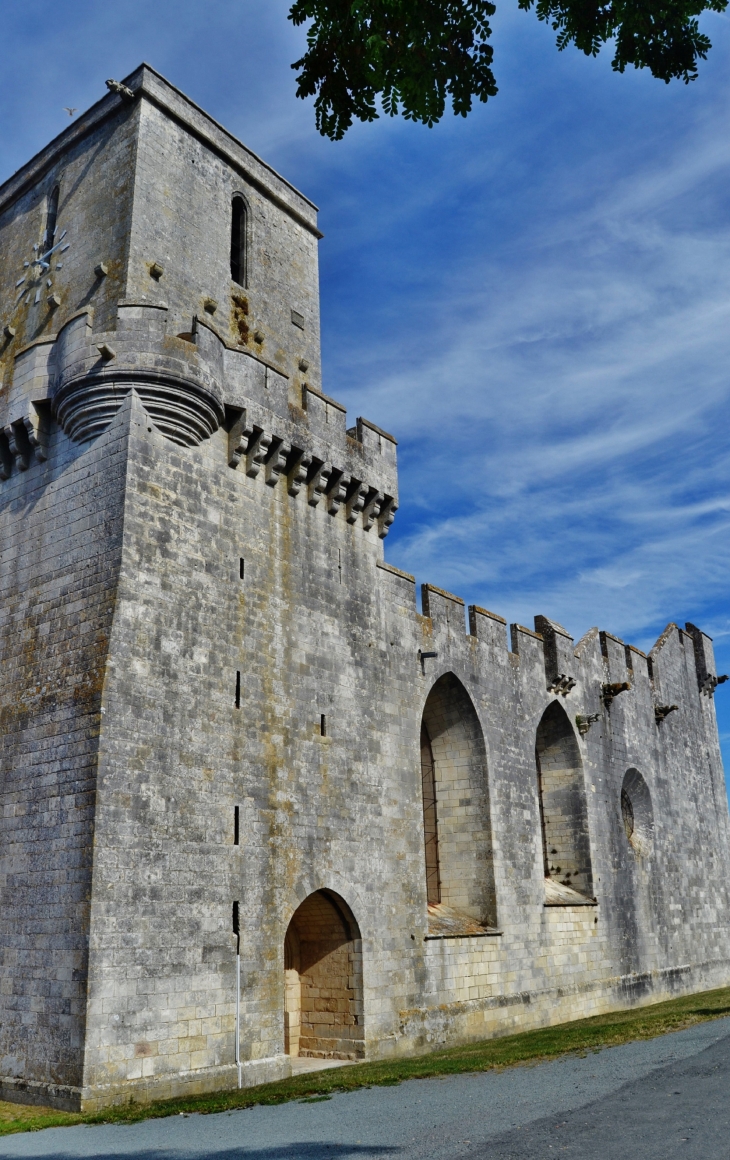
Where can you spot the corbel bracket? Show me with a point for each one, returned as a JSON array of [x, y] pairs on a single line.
[[355, 500], [370, 507], [297, 469], [256, 451], [237, 438], [25, 441], [662, 711], [609, 691], [316, 482], [386, 515], [336, 490], [584, 722], [276, 460], [425, 656], [711, 682]]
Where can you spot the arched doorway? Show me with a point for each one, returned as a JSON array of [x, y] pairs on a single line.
[[323, 1006], [456, 816], [563, 807]]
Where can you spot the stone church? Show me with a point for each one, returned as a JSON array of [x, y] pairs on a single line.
[[256, 807]]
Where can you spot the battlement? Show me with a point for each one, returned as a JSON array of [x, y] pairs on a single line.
[[590, 675], [191, 385]]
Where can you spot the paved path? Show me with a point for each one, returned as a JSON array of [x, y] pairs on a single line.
[[654, 1100]]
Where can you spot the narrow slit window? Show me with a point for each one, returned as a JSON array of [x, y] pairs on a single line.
[[238, 240], [236, 826], [323, 725], [242, 566], [238, 690], [51, 216]]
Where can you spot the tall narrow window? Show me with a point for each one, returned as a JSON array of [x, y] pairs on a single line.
[[238, 240], [637, 812], [51, 215], [563, 806], [430, 829], [456, 816]]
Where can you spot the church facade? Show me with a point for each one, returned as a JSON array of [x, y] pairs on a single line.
[[256, 806]]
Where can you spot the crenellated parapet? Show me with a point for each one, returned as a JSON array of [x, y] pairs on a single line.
[[335, 483], [707, 678], [191, 385], [593, 678], [560, 660]]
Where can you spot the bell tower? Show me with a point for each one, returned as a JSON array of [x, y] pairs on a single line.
[[171, 475]]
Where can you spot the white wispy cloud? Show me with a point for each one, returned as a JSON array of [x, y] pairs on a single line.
[[559, 392]]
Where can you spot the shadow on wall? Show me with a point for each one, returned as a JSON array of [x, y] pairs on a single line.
[[456, 813], [323, 1005], [563, 806]]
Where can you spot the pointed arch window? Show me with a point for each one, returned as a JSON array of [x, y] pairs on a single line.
[[51, 217], [637, 812], [456, 813], [563, 806], [239, 230]]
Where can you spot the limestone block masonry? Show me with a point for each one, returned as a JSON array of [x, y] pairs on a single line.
[[254, 804]]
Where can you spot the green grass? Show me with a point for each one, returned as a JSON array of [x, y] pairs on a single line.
[[578, 1037]]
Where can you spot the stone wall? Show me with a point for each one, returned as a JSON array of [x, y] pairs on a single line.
[[61, 541], [199, 626]]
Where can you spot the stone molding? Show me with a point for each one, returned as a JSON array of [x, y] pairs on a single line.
[[183, 412]]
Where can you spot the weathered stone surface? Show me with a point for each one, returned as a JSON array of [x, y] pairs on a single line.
[[214, 690]]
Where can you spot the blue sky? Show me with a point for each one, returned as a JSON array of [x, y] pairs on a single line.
[[535, 300]]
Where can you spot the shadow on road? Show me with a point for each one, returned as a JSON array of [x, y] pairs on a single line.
[[306, 1150]]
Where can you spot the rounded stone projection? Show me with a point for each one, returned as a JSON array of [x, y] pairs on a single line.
[[177, 381], [183, 411]]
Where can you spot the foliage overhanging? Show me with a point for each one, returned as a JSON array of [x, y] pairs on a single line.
[[413, 56]]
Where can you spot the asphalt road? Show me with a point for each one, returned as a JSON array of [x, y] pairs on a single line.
[[654, 1100]]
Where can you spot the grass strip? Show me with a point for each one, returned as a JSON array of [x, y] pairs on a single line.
[[577, 1037]]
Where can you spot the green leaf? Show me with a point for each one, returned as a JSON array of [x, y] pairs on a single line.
[[415, 56]]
